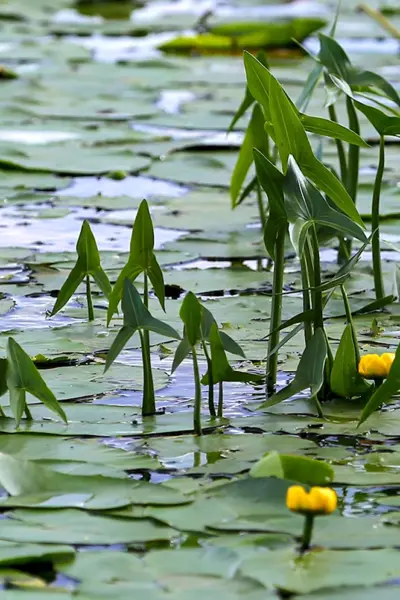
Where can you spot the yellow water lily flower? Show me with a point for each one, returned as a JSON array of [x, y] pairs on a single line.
[[375, 366], [318, 501]]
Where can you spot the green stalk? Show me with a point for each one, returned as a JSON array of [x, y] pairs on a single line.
[[28, 413], [197, 396], [211, 405], [339, 147], [221, 399], [2, 413], [376, 242], [276, 310], [260, 203], [317, 294], [307, 533], [149, 402], [353, 163], [305, 282], [89, 299]]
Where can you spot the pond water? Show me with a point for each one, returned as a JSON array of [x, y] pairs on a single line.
[[97, 118]]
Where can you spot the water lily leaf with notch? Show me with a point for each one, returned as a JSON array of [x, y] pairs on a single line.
[[306, 206], [221, 369], [141, 260], [88, 263], [255, 137], [384, 393], [136, 317], [22, 377], [345, 380], [271, 180], [31, 484], [295, 468], [310, 371]]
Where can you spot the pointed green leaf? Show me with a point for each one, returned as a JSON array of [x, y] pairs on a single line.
[[68, 288], [367, 79], [157, 280], [86, 247], [182, 351], [345, 379], [142, 240], [258, 81], [271, 180], [304, 204], [328, 128], [136, 317], [221, 369], [230, 345], [334, 58], [23, 376], [310, 371], [384, 124], [102, 281], [190, 313], [384, 394], [130, 271]]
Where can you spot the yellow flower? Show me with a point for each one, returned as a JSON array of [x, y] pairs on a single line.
[[375, 366], [318, 501]]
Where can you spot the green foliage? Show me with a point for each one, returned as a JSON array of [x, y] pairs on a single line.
[[141, 260], [22, 377], [309, 373], [136, 318], [87, 265], [345, 380], [295, 468]]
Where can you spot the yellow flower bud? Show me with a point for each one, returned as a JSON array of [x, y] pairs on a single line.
[[375, 366], [318, 501]]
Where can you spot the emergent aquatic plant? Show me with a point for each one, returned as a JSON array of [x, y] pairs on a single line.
[[138, 318], [87, 265]]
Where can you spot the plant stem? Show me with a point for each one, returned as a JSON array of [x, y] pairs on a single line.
[[307, 533], [339, 147], [381, 20], [353, 163], [276, 310], [378, 383], [376, 242], [261, 208], [89, 299], [2, 413], [197, 396], [317, 294], [211, 405], [221, 399], [28, 413], [305, 282], [149, 401]]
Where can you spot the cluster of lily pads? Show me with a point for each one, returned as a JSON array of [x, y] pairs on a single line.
[[306, 199]]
